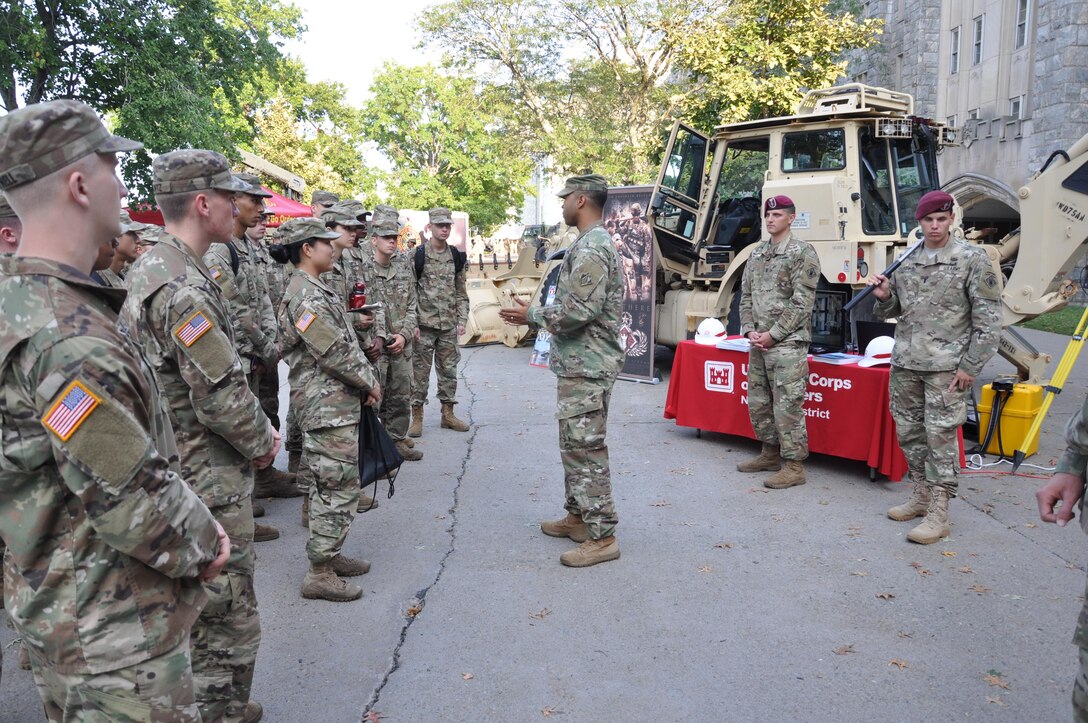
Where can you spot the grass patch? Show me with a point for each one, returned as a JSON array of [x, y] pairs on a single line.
[[1064, 321]]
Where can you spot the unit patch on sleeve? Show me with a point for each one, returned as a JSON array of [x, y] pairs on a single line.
[[193, 328], [74, 406], [305, 320]]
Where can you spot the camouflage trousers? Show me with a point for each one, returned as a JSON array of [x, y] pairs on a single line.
[[330, 469], [777, 380], [441, 346], [268, 393], [1080, 639], [293, 443], [582, 410], [927, 419], [158, 690], [227, 634], [395, 373]]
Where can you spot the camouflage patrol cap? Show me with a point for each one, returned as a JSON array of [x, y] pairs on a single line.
[[6, 211], [440, 215], [342, 214], [128, 225], [589, 182], [300, 230], [384, 212], [324, 198], [45, 137], [193, 169], [152, 234], [384, 227], [354, 207], [254, 184]]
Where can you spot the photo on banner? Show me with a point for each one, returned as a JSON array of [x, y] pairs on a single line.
[[625, 220]]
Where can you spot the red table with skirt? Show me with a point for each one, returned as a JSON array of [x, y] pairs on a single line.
[[846, 405]]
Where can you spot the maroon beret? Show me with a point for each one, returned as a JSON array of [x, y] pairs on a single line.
[[777, 202], [933, 202]]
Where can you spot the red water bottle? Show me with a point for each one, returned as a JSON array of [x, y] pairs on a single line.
[[357, 299]]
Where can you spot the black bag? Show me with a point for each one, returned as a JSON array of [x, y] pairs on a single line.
[[378, 455]]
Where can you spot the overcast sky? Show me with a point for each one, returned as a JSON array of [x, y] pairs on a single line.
[[348, 42]]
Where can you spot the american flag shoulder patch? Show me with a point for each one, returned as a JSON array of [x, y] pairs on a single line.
[[305, 320], [74, 406], [193, 328], [216, 272]]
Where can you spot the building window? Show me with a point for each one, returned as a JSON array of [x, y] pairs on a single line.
[[976, 42], [1016, 107], [952, 121], [862, 77], [972, 114], [954, 63], [1021, 24]]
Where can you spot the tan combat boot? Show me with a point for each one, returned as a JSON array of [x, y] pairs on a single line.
[[415, 429], [293, 460], [322, 583], [366, 503], [24, 658], [306, 512], [264, 533], [570, 526], [935, 525], [270, 482], [258, 508], [769, 459], [410, 442], [450, 420], [409, 454], [253, 713], [592, 552], [791, 475], [916, 506], [349, 566]]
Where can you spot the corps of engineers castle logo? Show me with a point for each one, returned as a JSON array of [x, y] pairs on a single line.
[[718, 376]]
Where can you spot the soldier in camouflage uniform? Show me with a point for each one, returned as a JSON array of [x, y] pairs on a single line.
[[234, 267], [586, 357], [268, 383], [10, 228], [1063, 494], [330, 378], [778, 291], [124, 252], [176, 312], [107, 544], [391, 281], [443, 312], [320, 200], [946, 298], [346, 271]]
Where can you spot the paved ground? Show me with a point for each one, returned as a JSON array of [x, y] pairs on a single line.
[[729, 603]]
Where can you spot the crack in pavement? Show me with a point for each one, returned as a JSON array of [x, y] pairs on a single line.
[[417, 603]]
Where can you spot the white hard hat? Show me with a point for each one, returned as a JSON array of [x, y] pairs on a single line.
[[710, 332], [878, 351]]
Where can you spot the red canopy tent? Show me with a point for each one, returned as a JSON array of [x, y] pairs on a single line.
[[281, 208]]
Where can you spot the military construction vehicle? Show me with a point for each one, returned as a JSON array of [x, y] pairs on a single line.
[[855, 160]]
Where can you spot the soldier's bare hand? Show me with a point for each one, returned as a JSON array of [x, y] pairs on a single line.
[[416, 333], [269, 457], [460, 330], [1063, 487], [373, 396], [881, 288], [516, 315], [961, 381], [213, 568], [397, 345], [366, 319], [761, 340]]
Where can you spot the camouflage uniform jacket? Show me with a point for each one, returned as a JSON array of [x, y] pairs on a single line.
[[242, 292], [395, 287], [276, 281], [111, 279], [585, 320], [177, 314], [105, 540], [341, 279], [443, 300], [258, 253], [1075, 459], [329, 373], [778, 290], [948, 309]]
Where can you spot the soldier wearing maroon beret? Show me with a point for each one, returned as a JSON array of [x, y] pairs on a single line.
[[777, 320], [946, 298]]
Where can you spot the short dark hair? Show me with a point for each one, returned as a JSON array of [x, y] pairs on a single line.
[[598, 198], [174, 206]]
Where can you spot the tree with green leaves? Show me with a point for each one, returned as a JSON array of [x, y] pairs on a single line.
[[171, 73], [755, 58], [448, 142]]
